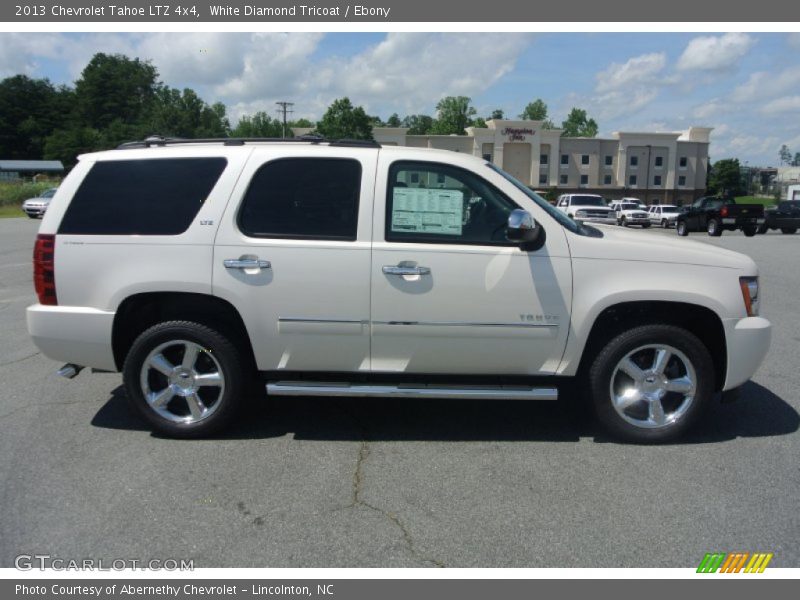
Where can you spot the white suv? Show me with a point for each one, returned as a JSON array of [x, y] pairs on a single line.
[[587, 208], [630, 213], [347, 269], [665, 215]]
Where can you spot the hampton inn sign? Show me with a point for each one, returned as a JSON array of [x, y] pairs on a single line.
[[517, 134]]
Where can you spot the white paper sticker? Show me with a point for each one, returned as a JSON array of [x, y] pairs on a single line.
[[427, 210]]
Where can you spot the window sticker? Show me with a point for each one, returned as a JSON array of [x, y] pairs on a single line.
[[426, 210]]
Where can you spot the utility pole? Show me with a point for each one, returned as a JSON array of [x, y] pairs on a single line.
[[285, 108]]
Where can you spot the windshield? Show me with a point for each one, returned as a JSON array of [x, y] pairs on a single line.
[[578, 200], [628, 206], [559, 216], [670, 209]]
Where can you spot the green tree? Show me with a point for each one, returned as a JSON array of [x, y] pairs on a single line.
[[393, 121], [534, 111], [418, 124], [301, 123], [498, 113], [478, 122], [176, 113], [785, 154], [796, 161], [259, 125], [66, 144], [725, 178], [578, 124], [113, 86], [453, 115], [343, 120]]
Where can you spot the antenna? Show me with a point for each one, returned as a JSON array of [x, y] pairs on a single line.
[[285, 108]]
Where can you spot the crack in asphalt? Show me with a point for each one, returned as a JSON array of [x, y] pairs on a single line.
[[11, 362], [392, 517]]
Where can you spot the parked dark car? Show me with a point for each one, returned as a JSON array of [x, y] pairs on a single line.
[[715, 215], [785, 216]]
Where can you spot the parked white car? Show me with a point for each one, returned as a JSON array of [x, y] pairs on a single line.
[[630, 213], [664, 215], [36, 207], [586, 208], [346, 269]]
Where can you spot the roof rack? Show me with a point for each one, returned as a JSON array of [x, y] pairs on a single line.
[[161, 141]]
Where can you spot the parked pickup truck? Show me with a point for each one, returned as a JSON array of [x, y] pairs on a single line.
[[785, 216], [715, 215], [206, 271]]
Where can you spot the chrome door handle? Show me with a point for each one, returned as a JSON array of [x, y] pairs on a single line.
[[400, 270], [246, 263]]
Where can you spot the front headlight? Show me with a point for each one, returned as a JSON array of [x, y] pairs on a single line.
[[580, 213], [750, 294]]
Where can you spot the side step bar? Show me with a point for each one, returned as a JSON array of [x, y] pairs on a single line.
[[357, 390]]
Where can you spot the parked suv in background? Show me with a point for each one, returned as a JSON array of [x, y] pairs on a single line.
[[199, 269], [664, 215], [630, 213], [586, 208], [36, 207]]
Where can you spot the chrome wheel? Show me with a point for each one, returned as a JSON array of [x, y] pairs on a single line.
[[182, 381], [653, 386]]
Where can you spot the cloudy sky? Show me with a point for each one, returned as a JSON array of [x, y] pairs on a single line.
[[746, 86]]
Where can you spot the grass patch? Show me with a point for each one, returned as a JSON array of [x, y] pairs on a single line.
[[755, 200], [14, 193], [7, 212]]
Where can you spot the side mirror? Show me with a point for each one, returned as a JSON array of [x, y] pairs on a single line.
[[524, 229]]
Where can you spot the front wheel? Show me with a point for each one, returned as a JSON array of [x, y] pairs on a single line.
[[789, 230], [664, 224], [624, 222], [184, 378], [652, 383], [682, 229], [714, 228], [645, 225]]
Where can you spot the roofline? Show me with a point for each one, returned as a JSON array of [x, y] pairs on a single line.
[[160, 141]]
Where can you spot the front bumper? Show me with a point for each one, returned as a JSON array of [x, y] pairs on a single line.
[[73, 334], [612, 220], [36, 211], [743, 222], [637, 220], [747, 341]]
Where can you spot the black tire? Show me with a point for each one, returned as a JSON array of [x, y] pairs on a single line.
[[624, 222], [762, 229], [645, 225], [749, 231], [31, 216], [605, 365], [681, 229], [217, 350], [789, 230], [664, 224], [714, 228]]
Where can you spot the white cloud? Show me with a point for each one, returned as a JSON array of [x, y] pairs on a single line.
[[637, 70], [765, 84], [715, 53], [782, 105], [794, 39], [709, 109]]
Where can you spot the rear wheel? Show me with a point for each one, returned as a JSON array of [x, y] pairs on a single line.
[[682, 229], [714, 228], [762, 229], [789, 230], [749, 231], [184, 378], [652, 383]]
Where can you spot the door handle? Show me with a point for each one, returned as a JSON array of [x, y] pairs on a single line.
[[246, 263], [402, 270]]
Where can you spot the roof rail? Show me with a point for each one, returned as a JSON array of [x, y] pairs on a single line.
[[161, 141]]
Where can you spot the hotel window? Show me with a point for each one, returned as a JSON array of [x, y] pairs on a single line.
[[634, 161], [543, 179], [487, 157], [659, 161], [563, 180], [609, 160], [681, 180], [683, 162], [584, 179], [584, 159], [564, 160], [543, 158], [606, 179], [632, 180], [657, 180]]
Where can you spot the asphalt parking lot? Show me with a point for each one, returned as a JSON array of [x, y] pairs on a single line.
[[360, 483]]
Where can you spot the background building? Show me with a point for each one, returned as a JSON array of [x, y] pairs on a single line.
[[653, 167]]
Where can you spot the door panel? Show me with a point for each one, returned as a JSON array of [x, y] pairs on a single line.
[[309, 310]]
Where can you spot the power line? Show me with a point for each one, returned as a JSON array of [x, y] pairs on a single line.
[[284, 107]]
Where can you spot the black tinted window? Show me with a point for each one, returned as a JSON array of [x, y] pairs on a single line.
[[142, 197], [303, 198]]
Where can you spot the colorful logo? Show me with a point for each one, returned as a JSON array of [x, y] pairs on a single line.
[[734, 562]]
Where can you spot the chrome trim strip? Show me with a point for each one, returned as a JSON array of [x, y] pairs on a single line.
[[347, 390], [302, 320], [464, 324]]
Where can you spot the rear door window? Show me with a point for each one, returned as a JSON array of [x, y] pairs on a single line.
[[141, 197]]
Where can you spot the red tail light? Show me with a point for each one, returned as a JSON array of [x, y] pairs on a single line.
[[723, 211], [44, 272]]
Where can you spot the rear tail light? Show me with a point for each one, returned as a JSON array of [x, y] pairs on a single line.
[[723, 211], [44, 274]]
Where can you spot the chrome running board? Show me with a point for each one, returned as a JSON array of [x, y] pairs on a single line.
[[358, 390]]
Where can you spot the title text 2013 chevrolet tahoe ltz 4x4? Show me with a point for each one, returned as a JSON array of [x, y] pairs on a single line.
[[347, 269]]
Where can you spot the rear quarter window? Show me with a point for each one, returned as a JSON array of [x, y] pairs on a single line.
[[141, 197]]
